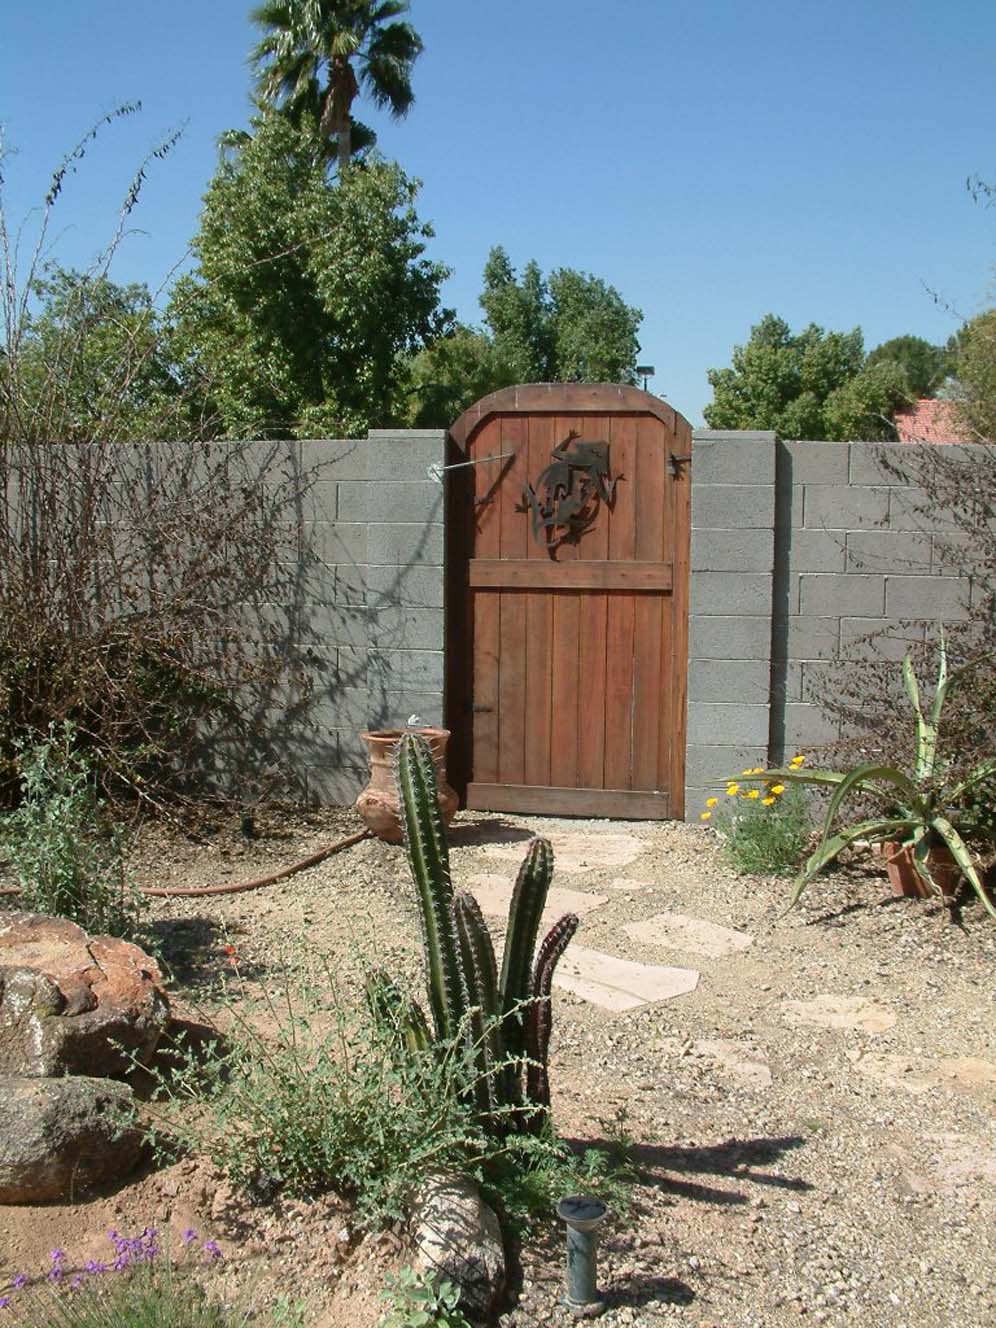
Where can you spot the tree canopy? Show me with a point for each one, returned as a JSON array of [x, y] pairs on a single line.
[[570, 328], [316, 56], [819, 384], [308, 294]]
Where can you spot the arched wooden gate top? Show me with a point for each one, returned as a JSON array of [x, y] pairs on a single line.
[[567, 601], [561, 398]]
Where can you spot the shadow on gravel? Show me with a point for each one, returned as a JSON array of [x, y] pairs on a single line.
[[737, 1159], [487, 832], [643, 1290], [196, 952]]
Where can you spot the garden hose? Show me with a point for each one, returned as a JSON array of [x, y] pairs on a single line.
[[196, 892]]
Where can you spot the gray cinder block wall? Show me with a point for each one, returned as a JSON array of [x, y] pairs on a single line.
[[369, 624], [799, 550]]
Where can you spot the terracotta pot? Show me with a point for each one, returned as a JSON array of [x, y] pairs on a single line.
[[378, 803], [907, 881]]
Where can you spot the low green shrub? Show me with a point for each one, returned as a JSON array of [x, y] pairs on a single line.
[[421, 1300], [64, 847], [764, 831]]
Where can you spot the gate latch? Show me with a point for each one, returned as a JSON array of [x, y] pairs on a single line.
[[676, 462]]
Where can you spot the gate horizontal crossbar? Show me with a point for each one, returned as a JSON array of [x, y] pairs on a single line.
[[539, 574], [630, 804]]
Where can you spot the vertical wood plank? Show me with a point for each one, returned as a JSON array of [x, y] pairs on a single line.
[[592, 634], [539, 623], [648, 609], [512, 630], [620, 613], [681, 536], [485, 607]]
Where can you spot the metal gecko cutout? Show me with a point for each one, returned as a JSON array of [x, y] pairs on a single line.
[[573, 487]]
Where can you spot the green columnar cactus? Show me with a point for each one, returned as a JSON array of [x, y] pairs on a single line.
[[507, 1020]]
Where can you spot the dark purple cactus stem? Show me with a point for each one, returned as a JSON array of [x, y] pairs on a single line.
[[539, 1017]]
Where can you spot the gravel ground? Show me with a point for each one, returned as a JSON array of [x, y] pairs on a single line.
[[813, 1124]]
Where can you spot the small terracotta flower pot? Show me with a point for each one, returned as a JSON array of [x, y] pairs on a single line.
[[907, 881], [378, 804]]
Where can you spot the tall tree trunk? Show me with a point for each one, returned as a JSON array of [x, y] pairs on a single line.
[[337, 112]]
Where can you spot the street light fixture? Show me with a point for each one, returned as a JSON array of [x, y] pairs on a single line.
[[645, 371]]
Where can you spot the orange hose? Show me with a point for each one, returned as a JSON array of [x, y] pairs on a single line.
[[194, 892]]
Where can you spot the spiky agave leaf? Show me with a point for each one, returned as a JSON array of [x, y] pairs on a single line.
[[428, 857], [394, 1010], [481, 979], [539, 1017]]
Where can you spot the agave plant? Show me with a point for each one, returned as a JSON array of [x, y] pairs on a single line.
[[506, 1017], [921, 808]]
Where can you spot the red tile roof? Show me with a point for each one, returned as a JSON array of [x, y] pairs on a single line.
[[929, 421]]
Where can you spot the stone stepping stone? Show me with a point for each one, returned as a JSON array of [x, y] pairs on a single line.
[[741, 1061], [581, 852], [959, 1159], [919, 1077], [860, 1012], [679, 931], [620, 984], [494, 894], [623, 883]]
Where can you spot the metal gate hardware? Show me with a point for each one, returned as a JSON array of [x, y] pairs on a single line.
[[676, 462], [435, 471]]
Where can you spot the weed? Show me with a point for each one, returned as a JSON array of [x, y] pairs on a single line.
[[65, 849], [421, 1300], [764, 830]]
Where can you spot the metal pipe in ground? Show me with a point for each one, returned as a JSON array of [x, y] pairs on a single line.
[[582, 1215]]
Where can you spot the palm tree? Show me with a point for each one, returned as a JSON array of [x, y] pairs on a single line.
[[317, 54]]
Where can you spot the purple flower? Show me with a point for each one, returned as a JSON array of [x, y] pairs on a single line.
[[121, 1262], [189, 1236], [211, 1249], [58, 1256], [21, 1280], [76, 1283], [4, 1302], [94, 1266]]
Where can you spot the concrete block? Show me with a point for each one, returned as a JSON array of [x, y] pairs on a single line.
[[400, 627], [810, 638], [877, 638], [335, 459], [410, 585], [729, 637], [867, 463], [332, 786], [352, 750], [942, 598], [334, 542], [887, 551], [711, 766], [387, 500], [797, 506], [351, 668], [393, 709], [406, 455], [816, 551], [954, 553], [730, 592], [829, 594], [340, 708], [733, 506], [806, 726], [728, 680], [718, 722], [911, 509], [331, 624], [319, 504], [818, 463], [349, 584], [401, 544], [732, 550], [405, 670], [733, 459], [829, 507]]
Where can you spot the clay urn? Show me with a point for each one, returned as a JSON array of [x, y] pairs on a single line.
[[378, 804]]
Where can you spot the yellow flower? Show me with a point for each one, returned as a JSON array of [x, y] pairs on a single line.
[[748, 771], [796, 762], [766, 802], [732, 790], [758, 770], [704, 816], [711, 802], [754, 793], [777, 788]]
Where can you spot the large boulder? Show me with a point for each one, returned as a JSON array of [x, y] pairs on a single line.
[[457, 1237], [72, 1003], [59, 1136]]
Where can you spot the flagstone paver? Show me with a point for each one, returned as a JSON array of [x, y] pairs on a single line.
[[624, 883], [860, 1012], [679, 931], [494, 894], [620, 984]]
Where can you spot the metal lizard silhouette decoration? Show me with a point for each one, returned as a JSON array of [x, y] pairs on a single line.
[[574, 485]]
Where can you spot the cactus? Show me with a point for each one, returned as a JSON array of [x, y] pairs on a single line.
[[506, 1020]]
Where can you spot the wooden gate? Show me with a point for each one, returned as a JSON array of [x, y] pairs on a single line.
[[568, 602]]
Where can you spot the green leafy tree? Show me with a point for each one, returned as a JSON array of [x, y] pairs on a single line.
[[864, 406], [317, 55], [309, 294], [975, 373], [782, 381], [451, 374], [924, 365]]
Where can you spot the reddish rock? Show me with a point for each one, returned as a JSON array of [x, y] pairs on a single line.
[[72, 1003]]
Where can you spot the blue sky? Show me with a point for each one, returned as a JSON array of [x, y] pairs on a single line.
[[714, 161]]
